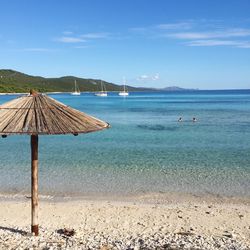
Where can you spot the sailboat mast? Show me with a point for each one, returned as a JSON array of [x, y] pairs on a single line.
[[124, 92], [76, 91], [124, 81]]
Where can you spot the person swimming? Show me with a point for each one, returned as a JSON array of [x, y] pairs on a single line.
[[180, 119], [194, 119]]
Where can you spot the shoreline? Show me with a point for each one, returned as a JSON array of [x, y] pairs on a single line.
[[146, 198]]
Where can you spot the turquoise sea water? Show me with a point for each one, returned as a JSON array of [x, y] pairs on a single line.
[[146, 150]]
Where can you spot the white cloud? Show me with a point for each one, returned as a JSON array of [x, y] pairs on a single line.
[[142, 78], [155, 77], [95, 35], [238, 44], [148, 77], [173, 26], [81, 38], [189, 35], [200, 32], [163, 27], [244, 45], [70, 39], [211, 35], [210, 43]]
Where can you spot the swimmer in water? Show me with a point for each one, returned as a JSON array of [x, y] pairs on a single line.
[[180, 119], [194, 119]]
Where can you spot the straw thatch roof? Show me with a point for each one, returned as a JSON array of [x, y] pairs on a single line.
[[41, 114]]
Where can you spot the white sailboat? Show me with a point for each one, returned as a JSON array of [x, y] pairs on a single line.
[[77, 91], [124, 92], [103, 91]]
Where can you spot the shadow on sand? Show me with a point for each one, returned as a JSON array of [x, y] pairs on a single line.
[[13, 230]]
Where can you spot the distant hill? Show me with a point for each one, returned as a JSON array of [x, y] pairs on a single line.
[[13, 81], [175, 88]]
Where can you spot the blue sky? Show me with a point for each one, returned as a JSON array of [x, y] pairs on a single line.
[[154, 43]]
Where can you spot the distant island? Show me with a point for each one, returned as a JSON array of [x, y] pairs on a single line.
[[175, 88], [12, 81]]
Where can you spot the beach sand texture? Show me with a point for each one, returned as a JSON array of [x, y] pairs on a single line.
[[136, 224]]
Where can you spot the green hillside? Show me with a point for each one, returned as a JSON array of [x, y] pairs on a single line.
[[16, 82]]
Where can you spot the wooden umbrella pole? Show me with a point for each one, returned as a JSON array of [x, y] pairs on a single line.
[[34, 184]]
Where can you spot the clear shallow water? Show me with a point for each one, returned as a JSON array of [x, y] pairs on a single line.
[[146, 150]]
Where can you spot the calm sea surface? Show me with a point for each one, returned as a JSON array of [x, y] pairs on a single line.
[[146, 150]]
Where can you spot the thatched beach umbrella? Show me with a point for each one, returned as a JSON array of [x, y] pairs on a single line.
[[37, 114]]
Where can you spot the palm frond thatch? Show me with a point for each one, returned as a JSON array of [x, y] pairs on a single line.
[[41, 114]]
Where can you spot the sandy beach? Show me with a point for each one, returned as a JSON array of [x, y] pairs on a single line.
[[141, 222]]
